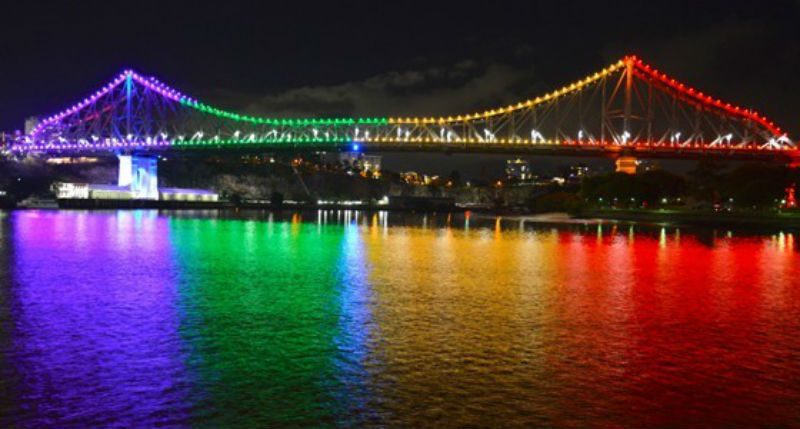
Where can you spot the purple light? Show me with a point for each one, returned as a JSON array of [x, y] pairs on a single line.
[[108, 144], [149, 83]]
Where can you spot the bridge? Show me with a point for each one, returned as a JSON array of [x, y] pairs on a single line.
[[626, 110]]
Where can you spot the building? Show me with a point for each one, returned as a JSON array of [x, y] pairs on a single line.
[[91, 191], [579, 171], [575, 173], [518, 170], [414, 178], [72, 160], [182, 194], [362, 163], [648, 165], [371, 164], [84, 191], [411, 177]]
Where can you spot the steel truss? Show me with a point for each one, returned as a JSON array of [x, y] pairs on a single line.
[[628, 105]]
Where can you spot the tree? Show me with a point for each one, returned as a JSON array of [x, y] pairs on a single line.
[[276, 199], [706, 179], [649, 187], [756, 184], [556, 202], [454, 178]]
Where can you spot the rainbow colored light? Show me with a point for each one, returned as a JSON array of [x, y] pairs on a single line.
[[342, 136]]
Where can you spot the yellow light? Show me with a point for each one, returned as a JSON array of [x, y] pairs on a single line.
[[540, 99]]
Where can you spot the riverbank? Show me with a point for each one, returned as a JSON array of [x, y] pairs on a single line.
[[701, 218], [246, 205], [790, 219]]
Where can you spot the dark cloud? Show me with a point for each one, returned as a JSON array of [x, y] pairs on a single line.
[[456, 88]]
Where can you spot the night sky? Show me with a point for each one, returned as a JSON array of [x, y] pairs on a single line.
[[392, 58]]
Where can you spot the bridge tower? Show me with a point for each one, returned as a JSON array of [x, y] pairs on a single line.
[[626, 113], [140, 174]]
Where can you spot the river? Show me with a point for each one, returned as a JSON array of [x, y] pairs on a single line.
[[342, 319]]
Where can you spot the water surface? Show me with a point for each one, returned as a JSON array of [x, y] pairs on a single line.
[[142, 319]]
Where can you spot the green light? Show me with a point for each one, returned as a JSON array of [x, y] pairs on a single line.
[[262, 141], [291, 122], [294, 331]]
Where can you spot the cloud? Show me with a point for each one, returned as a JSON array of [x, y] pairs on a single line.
[[442, 90]]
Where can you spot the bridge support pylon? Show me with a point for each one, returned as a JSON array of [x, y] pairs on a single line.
[[627, 164], [140, 174]]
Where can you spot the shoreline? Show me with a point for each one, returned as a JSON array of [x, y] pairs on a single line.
[[696, 218], [789, 220], [98, 204]]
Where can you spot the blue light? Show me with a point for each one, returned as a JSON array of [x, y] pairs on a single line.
[[356, 147]]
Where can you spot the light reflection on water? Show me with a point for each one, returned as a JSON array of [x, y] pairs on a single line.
[[337, 318]]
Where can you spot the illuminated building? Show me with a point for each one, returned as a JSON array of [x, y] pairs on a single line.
[[411, 177], [92, 191], [518, 169], [182, 194], [73, 160], [579, 171], [361, 162], [648, 165]]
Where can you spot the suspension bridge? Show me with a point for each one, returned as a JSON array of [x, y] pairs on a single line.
[[628, 109]]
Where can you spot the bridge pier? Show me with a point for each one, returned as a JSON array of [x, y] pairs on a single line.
[[140, 174], [627, 164]]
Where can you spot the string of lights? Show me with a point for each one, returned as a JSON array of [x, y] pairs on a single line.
[[63, 131]]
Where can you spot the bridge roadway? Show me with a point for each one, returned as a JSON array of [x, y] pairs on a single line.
[[784, 156]]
